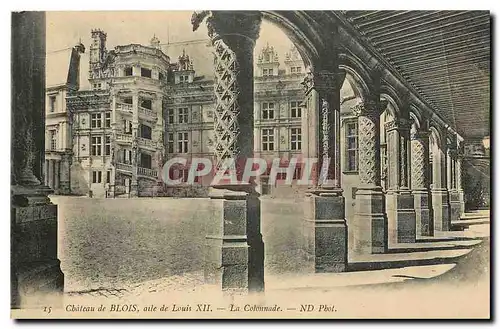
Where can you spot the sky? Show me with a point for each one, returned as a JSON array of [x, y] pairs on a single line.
[[65, 29]]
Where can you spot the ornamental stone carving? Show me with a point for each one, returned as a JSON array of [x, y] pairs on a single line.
[[419, 160], [368, 113]]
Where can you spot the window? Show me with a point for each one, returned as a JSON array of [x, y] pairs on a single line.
[[53, 140], [267, 140], [127, 100], [184, 78], [107, 119], [299, 69], [146, 131], [108, 176], [161, 77], [270, 71], [295, 110], [171, 116], [95, 120], [147, 104], [292, 69], [127, 126], [182, 142], [351, 131], [96, 177], [145, 72], [107, 145], [127, 156], [170, 142], [128, 71], [96, 145], [52, 103], [296, 138], [183, 115], [264, 72], [267, 111]]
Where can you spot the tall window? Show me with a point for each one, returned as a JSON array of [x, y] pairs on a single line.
[[96, 177], [170, 142], [183, 115], [128, 71], [108, 176], [53, 140], [96, 148], [351, 138], [107, 145], [146, 131], [268, 139], [295, 110], [52, 103], [265, 72], [267, 111], [296, 139], [107, 121], [95, 120], [171, 115], [182, 142]]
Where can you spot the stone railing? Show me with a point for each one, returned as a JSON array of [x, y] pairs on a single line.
[[124, 166], [146, 142], [147, 172], [124, 138], [124, 107], [147, 112]]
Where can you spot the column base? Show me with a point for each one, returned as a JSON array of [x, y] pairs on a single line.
[[455, 205], [234, 250], [134, 192], [369, 225], [64, 188], [36, 276], [401, 217], [423, 213], [441, 210], [462, 202], [325, 231]]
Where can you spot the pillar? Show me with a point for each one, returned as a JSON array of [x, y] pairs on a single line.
[[51, 174], [420, 182], [440, 200], [56, 176], [325, 227], [459, 181], [400, 205], [370, 220], [65, 173], [454, 196], [234, 250], [36, 276]]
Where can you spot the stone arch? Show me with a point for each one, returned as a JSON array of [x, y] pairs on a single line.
[[303, 35], [417, 116], [357, 74]]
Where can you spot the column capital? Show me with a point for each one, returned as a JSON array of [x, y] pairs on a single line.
[[323, 81], [228, 24], [420, 134], [399, 124], [369, 108]]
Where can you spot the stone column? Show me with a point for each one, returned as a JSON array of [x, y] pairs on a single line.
[[51, 174], [234, 258], [325, 228], [440, 200], [65, 173], [57, 171], [400, 205], [455, 205], [420, 182], [36, 276], [459, 181], [370, 220]]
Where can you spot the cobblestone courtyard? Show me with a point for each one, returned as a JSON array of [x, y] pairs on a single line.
[[125, 248]]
